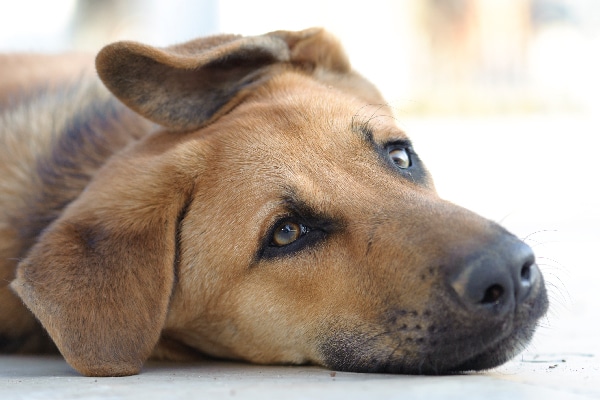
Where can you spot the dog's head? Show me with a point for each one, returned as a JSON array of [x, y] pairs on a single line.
[[280, 217]]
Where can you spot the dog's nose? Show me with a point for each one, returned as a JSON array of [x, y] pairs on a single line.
[[496, 279]]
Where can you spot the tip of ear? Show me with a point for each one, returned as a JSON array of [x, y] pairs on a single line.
[[113, 58], [316, 46], [293, 37], [110, 64], [105, 59]]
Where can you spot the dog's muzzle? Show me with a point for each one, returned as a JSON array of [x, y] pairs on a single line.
[[485, 299]]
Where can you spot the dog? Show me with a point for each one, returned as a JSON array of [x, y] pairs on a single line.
[[245, 198]]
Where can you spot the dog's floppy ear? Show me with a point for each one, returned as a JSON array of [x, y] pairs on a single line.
[[100, 277], [186, 86]]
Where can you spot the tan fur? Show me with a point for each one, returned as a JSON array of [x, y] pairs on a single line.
[[126, 239]]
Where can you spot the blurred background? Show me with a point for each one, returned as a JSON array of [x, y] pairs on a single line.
[[499, 96]]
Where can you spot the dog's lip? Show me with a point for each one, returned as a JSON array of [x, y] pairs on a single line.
[[464, 350], [512, 337], [449, 361], [494, 354], [457, 354]]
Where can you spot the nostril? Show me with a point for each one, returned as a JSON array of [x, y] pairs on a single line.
[[484, 286], [492, 295], [526, 275], [527, 279]]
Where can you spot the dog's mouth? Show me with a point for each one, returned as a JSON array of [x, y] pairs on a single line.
[[454, 355], [444, 345], [477, 352]]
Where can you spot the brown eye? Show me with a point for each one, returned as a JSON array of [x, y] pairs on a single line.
[[287, 233], [400, 157], [288, 236]]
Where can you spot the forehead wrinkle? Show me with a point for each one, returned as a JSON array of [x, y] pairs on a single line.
[[296, 202], [325, 193], [374, 128], [310, 212]]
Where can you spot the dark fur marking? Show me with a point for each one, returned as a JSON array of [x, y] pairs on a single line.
[[177, 256], [364, 130], [79, 149]]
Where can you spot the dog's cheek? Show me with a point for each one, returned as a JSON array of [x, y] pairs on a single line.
[[268, 314], [285, 310], [276, 325], [382, 308]]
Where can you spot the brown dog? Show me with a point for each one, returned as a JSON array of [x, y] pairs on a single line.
[[278, 216]]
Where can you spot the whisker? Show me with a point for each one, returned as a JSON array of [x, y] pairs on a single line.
[[538, 232]]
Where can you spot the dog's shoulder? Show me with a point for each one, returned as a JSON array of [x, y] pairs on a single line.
[[23, 75], [55, 136]]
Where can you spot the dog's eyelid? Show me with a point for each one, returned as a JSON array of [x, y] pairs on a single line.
[[306, 214], [399, 143]]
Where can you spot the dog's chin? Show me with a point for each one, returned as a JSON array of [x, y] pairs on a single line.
[[462, 357], [487, 357], [451, 351], [490, 358]]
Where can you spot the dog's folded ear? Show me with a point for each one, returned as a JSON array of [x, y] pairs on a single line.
[[100, 277], [186, 86]]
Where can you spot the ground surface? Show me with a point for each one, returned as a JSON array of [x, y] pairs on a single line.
[[538, 176], [549, 376]]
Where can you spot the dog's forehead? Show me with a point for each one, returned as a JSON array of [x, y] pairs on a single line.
[[312, 140], [296, 110], [297, 127]]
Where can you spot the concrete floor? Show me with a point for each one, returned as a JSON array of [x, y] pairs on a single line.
[[539, 179], [536, 376]]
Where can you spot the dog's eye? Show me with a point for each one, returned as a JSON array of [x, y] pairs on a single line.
[[292, 235], [400, 157], [287, 233]]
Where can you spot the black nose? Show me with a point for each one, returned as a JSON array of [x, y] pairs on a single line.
[[496, 278]]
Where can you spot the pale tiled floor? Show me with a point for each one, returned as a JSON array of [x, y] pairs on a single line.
[[536, 175]]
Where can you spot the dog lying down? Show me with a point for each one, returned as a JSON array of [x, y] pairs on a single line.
[[243, 198]]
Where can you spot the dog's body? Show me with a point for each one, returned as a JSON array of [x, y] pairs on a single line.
[[279, 217]]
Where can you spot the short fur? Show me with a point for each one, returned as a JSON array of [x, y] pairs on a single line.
[[142, 221]]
